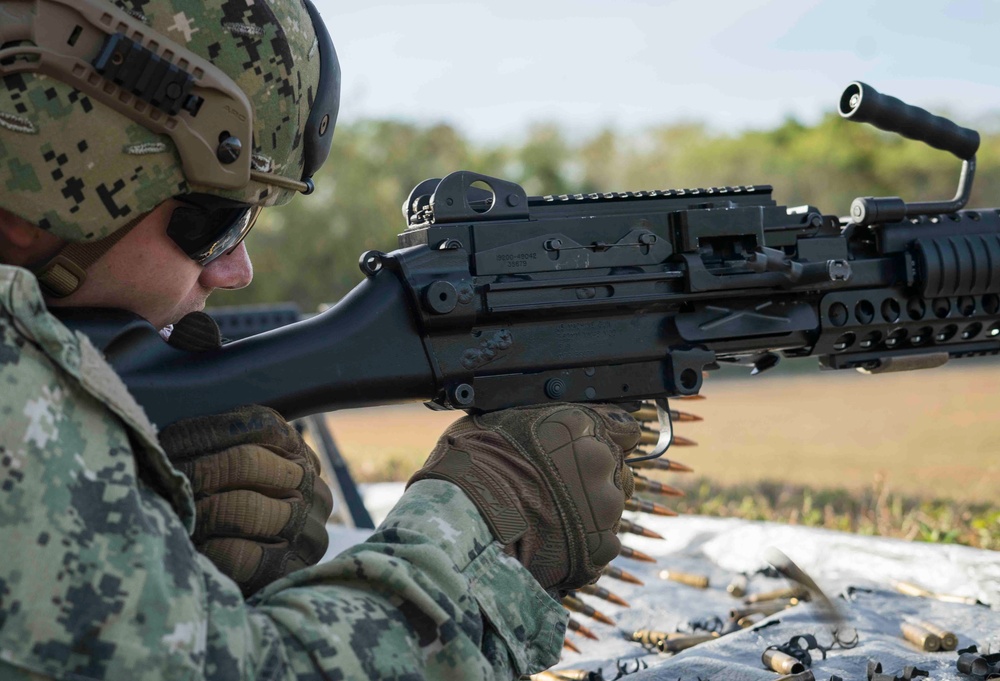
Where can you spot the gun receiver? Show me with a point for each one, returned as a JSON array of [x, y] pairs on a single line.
[[496, 299]]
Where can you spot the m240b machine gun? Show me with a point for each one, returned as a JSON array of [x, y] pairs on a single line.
[[496, 299]]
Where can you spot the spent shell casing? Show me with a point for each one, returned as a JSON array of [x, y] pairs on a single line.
[[780, 662], [798, 591], [748, 621], [576, 605], [647, 414], [646, 485], [910, 589], [807, 675], [690, 398], [677, 644], [767, 608], [569, 645], [621, 575], [578, 628], [920, 637], [662, 464], [738, 586], [628, 552], [544, 676], [952, 598], [649, 637], [949, 641], [697, 581], [632, 528], [651, 437], [577, 675], [643, 506]]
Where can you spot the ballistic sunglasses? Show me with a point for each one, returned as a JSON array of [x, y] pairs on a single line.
[[206, 227]]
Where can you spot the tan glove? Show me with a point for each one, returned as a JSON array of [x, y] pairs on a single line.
[[261, 506], [550, 482]]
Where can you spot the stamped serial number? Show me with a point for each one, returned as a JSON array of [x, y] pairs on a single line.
[[516, 260]]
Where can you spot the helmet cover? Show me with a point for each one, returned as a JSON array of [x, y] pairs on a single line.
[[82, 170]]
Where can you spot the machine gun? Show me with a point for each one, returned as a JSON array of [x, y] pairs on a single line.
[[496, 299]]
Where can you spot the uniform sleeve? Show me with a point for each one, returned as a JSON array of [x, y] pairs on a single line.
[[99, 579], [429, 595]]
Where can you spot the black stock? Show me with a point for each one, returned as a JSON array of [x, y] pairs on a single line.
[[496, 299]]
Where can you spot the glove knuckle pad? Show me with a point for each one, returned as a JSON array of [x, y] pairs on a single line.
[[603, 547], [577, 420], [237, 558], [587, 467], [243, 513]]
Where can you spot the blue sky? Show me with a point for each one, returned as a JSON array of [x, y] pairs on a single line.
[[494, 68]]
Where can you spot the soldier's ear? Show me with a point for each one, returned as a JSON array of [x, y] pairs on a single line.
[[21, 241], [17, 231]]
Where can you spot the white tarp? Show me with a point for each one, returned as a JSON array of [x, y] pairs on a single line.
[[721, 548]]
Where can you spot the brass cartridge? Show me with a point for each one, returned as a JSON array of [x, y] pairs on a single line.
[[577, 675], [677, 644], [646, 485], [662, 464], [643, 506], [910, 589], [634, 554], [766, 608], [582, 630], [697, 581], [780, 662], [920, 637], [649, 637], [632, 528], [949, 641], [799, 592], [807, 675], [601, 592], [738, 586], [617, 573], [576, 605], [648, 436], [647, 414], [544, 676]]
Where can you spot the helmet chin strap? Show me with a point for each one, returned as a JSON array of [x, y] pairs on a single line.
[[65, 272]]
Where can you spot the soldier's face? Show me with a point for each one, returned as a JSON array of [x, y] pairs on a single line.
[[146, 273]]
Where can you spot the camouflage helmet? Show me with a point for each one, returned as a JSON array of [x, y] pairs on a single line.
[[111, 107]]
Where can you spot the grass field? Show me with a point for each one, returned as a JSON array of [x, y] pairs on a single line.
[[836, 449]]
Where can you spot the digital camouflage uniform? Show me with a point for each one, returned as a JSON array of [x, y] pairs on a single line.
[[99, 579]]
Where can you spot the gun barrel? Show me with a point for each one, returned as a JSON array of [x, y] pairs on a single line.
[[863, 103]]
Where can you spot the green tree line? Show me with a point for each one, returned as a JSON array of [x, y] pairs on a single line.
[[307, 252]]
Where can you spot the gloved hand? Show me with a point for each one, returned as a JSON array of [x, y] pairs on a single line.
[[550, 482], [261, 506]]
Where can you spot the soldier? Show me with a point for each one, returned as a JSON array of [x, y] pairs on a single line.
[[138, 141]]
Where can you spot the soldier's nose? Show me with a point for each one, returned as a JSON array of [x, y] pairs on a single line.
[[232, 271]]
